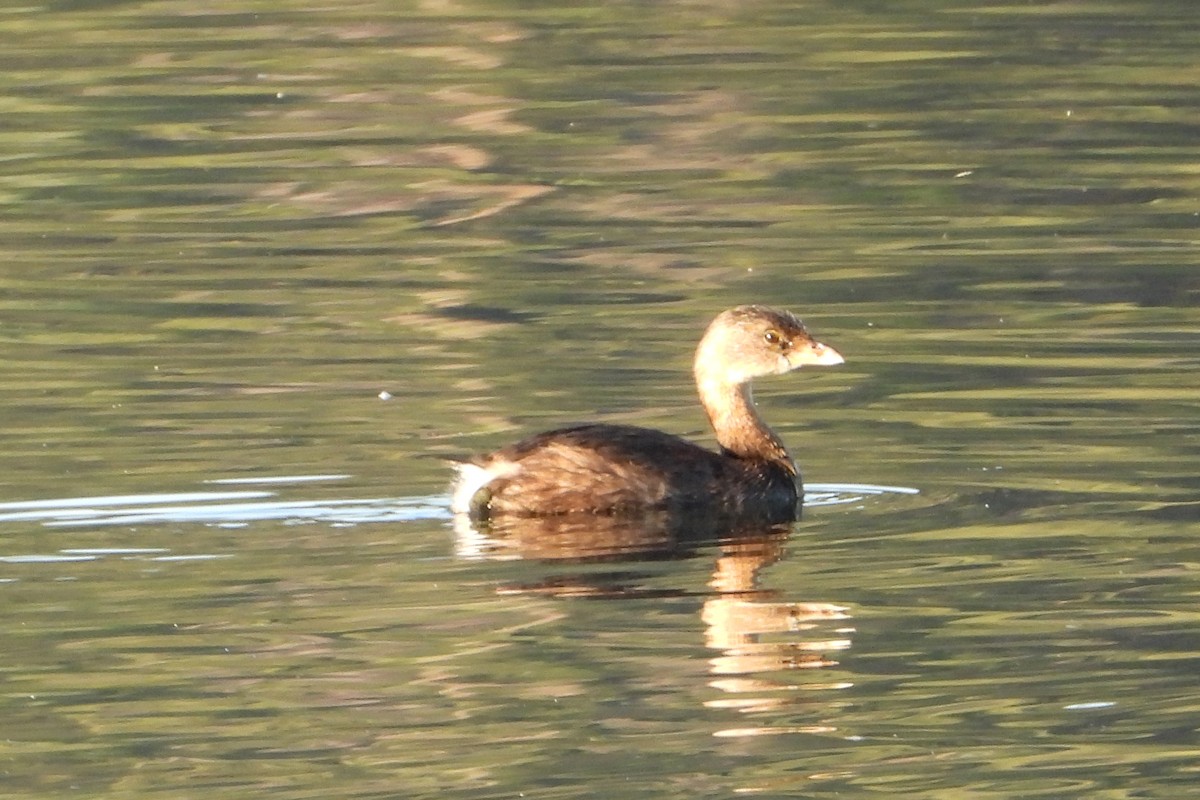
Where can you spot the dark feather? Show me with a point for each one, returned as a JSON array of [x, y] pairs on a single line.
[[612, 468]]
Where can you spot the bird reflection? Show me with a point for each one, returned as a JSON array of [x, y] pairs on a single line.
[[758, 636]]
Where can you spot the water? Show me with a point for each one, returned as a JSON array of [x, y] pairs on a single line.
[[268, 268]]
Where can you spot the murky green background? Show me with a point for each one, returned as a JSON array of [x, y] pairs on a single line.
[[227, 566]]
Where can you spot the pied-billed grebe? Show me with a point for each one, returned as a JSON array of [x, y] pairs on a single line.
[[601, 468]]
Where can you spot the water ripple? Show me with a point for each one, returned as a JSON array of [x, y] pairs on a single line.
[[222, 509]]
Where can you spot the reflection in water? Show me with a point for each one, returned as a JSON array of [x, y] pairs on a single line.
[[759, 636], [654, 532]]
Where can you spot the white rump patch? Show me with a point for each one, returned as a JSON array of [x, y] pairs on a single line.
[[472, 479]]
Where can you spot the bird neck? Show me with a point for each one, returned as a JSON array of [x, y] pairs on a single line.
[[740, 430]]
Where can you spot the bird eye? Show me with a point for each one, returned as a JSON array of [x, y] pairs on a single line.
[[772, 337]]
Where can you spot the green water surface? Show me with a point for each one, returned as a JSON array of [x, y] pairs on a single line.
[[268, 266]]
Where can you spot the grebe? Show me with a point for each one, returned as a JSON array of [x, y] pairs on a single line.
[[600, 468]]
